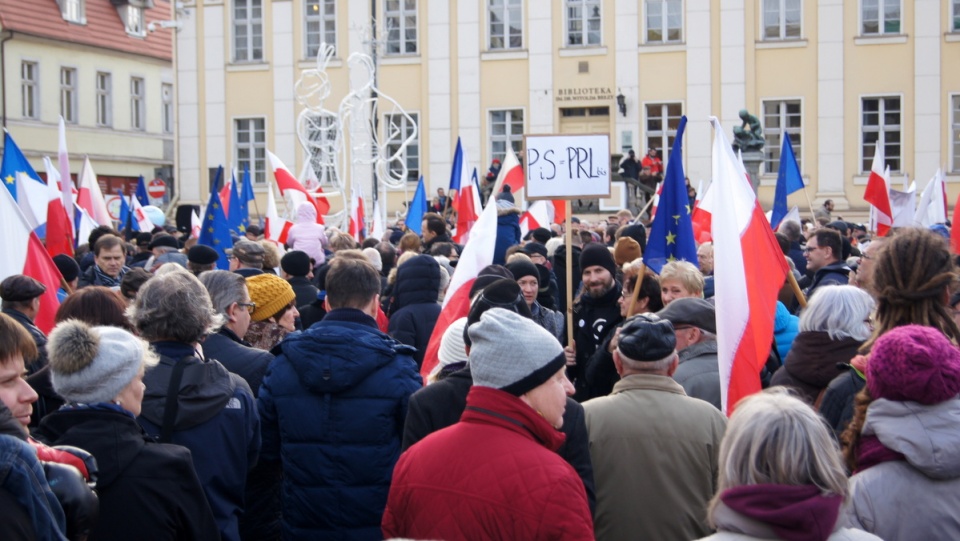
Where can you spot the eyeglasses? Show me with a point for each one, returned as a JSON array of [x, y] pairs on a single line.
[[250, 306], [867, 257], [626, 294], [809, 249]]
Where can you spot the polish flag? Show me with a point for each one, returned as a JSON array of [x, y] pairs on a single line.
[[308, 177], [377, 229], [477, 254], [749, 271], [275, 228], [23, 253], [559, 211], [59, 229], [143, 221], [878, 193], [290, 188], [33, 199], [701, 217], [535, 216], [225, 194], [89, 196], [469, 209], [511, 174], [358, 224], [195, 224]]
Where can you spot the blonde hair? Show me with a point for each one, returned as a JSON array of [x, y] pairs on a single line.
[[775, 438], [686, 273]]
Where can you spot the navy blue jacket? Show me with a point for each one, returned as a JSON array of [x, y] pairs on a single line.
[[508, 233], [216, 419], [333, 405], [414, 309]]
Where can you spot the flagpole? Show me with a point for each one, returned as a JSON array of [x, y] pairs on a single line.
[[797, 292], [813, 215], [568, 240], [636, 288]]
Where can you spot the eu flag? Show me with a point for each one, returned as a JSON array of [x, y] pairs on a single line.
[[235, 210], [126, 215], [215, 232], [788, 181], [142, 192], [246, 195], [14, 162], [418, 207], [671, 234]]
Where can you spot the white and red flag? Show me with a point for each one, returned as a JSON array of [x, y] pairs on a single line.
[[749, 270], [358, 221], [59, 229], [878, 193], [23, 253], [290, 188], [66, 185], [511, 174], [90, 197], [469, 208], [275, 228], [538, 215], [477, 254]]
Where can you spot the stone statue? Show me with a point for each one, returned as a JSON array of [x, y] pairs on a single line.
[[749, 135]]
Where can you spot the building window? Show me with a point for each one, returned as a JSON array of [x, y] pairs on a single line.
[[506, 24], [956, 16], [880, 125], [166, 94], [781, 19], [247, 31], [663, 119], [322, 136], [583, 22], [250, 141], [68, 94], [72, 11], [400, 20], [506, 131], [955, 132], [780, 116], [879, 17], [321, 25], [398, 128], [664, 21], [133, 20], [104, 99], [29, 89], [137, 108]]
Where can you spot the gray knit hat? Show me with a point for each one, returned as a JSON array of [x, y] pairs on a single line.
[[512, 353], [94, 364]]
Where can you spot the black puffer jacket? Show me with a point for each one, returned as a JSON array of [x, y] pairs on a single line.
[[414, 309], [144, 487], [440, 405]]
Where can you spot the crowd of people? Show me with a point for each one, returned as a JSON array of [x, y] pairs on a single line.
[[283, 398]]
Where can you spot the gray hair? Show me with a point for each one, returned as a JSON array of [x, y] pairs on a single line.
[[774, 438], [174, 305], [840, 311], [225, 288], [791, 230], [648, 367]]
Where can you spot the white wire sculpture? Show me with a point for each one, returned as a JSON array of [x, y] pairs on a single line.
[[339, 144]]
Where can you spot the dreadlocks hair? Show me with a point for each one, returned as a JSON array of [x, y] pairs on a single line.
[[912, 276], [850, 438]]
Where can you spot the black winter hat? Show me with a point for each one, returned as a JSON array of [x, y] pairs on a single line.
[[489, 275], [534, 248], [501, 293], [164, 240], [201, 254], [597, 255], [646, 337], [295, 263], [638, 233], [542, 235], [521, 268], [67, 266]]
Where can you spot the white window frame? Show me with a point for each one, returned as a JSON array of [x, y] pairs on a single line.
[[515, 141], [668, 135], [881, 22], [882, 129], [781, 21], [398, 19], [413, 173], [582, 4], [133, 20], [167, 112], [73, 11], [30, 89], [104, 82], [321, 16], [503, 11], [138, 101], [954, 138], [247, 124], [248, 53], [664, 28], [68, 94], [771, 166], [955, 16]]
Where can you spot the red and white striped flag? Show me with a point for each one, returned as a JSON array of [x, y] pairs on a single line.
[[477, 254], [275, 228], [511, 174], [358, 221], [90, 197], [535, 216], [749, 270], [59, 230], [878, 193], [290, 188]]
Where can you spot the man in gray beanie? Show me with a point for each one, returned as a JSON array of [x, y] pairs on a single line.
[[500, 459], [646, 418]]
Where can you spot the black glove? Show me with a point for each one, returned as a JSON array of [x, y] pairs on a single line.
[[80, 504]]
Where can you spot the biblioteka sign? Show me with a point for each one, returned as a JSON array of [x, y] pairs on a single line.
[[584, 94]]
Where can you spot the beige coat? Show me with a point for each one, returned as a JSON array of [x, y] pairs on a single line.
[[654, 453]]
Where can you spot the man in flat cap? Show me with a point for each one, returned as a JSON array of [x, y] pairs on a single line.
[[21, 301], [246, 258], [695, 324], [654, 449]]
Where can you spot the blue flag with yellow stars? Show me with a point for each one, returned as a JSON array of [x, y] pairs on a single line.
[[215, 232], [671, 234], [14, 162]]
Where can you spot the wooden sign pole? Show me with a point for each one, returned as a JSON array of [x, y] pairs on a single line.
[[568, 241]]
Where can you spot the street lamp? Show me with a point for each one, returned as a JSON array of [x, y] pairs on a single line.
[[621, 103]]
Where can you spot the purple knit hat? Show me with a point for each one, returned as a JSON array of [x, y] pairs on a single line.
[[914, 363]]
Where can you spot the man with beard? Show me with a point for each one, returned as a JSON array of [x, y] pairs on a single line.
[[594, 312]]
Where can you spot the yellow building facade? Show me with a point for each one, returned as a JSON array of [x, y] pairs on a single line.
[[839, 77]]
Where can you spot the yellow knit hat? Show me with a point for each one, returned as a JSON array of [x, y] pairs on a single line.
[[270, 293]]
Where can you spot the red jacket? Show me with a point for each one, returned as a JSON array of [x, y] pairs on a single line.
[[493, 475]]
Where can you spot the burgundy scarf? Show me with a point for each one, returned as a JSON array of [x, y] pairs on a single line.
[[795, 513], [872, 452]]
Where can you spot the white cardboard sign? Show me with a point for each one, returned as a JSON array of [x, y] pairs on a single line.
[[567, 166]]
